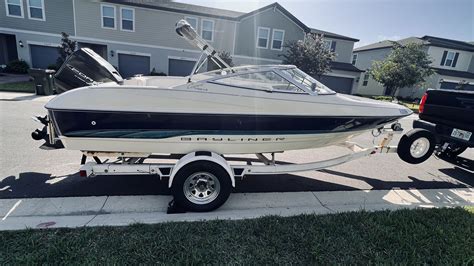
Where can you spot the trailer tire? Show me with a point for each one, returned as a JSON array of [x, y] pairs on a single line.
[[201, 186], [416, 146]]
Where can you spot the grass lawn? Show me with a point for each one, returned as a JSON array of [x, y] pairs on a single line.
[[26, 86], [413, 106], [424, 236]]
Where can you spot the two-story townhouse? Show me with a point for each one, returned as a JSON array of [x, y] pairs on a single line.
[[262, 33], [452, 61], [137, 36], [30, 29]]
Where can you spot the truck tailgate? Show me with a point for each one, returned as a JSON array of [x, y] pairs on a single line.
[[448, 107]]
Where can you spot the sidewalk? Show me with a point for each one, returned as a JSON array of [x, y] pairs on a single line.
[[125, 210], [24, 96]]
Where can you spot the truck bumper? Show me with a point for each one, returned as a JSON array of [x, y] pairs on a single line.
[[442, 132]]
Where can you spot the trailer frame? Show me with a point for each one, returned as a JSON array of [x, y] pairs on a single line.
[[134, 164]]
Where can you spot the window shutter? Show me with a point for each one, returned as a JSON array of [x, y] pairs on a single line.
[[455, 60], [333, 46], [443, 59]]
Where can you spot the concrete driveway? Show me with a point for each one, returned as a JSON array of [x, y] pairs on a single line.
[[26, 171]]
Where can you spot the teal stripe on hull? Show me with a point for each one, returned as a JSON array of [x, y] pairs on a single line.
[[158, 134]]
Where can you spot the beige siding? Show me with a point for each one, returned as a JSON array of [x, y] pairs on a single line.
[[365, 59], [152, 27], [246, 44], [464, 59], [471, 65], [343, 50], [58, 18]]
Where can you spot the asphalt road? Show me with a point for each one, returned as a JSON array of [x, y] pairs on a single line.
[[27, 171]]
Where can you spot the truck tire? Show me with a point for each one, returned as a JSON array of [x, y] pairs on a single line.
[[201, 186], [454, 150], [416, 146]]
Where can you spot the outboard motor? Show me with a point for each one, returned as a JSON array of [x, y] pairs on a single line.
[[85, 68], [82, 68]]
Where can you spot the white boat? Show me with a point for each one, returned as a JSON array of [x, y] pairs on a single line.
[[201, 118], [241, 110]]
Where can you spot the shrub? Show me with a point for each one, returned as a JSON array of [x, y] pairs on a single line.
[[383, 98], [66, 48], [154, 73], [17, 66]]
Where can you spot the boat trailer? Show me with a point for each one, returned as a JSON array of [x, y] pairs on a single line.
[[202, 180]]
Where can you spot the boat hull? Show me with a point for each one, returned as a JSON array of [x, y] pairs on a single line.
[[183, 133], [196, 116]]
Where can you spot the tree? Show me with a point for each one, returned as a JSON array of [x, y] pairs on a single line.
[[66, 48], [406, 66], [310, 55], [224, 56]]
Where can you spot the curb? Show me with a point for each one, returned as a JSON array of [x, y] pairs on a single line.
[[17, 214]]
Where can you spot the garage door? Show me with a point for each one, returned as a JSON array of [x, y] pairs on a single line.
[[178, 67], [338, 84], [43, 56], [130, 65]]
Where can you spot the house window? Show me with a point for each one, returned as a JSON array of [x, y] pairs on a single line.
[[14, 8], [330, 45], [366, 79], [128, 19], [193, 22], [36, 9], [263, 34], [108, 17], [207, 29], [449, 58], [277, 39], [354, 59]]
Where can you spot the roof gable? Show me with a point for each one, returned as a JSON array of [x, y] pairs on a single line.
[[448, 43], [426, 40], [281, 9]]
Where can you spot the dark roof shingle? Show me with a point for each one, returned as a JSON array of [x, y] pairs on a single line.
[[454, 73], [181, 7], [344, 66], [333, 35], [389, 43], [448, 43], [426, 40]]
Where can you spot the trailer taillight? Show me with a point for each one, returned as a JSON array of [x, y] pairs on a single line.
[[422, 103]]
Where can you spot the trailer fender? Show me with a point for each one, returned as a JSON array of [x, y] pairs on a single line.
[[201, 156]]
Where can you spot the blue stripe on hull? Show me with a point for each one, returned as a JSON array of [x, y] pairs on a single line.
[[99, 124]]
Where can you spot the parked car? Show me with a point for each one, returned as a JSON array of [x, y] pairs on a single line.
[[446, 126]]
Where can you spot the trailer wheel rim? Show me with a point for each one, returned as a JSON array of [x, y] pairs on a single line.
[[420, 147], [201, 188]]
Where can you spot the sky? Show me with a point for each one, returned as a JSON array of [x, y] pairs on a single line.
[[373, 20]]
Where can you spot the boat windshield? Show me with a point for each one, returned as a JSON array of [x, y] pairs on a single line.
[[267, 80], [306, 80]]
